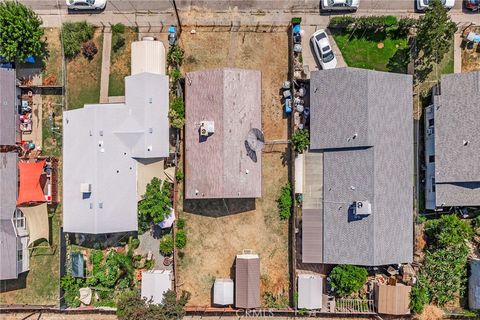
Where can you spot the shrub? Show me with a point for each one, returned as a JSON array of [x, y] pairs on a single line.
[[175, 55], [73, 35], [155, 205], [96, 258], [135, 243], [118, 41], [118, 28], [89, 49], [300, 140], [179, 175], [347, 279], [175, 74], [20, 32], [285, 202], [390, 21], [70, 287], [341, 21], [419, 297], [181, 224], [448, 231], [405, 24], [166, 245], [180, 239], [177, 113]]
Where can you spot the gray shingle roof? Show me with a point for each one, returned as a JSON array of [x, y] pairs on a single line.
[[457, 119], [376, 166], [101, 146], [8, 199], [7, 107]]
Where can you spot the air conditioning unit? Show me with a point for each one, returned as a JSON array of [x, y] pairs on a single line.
[[207, 128], [85, 188], [362, 208]]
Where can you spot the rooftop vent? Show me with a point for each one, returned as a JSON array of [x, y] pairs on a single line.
[[466, 142], [207, 128], [362, 208]]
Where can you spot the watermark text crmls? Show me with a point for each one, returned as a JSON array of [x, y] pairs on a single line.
[[269, 313]]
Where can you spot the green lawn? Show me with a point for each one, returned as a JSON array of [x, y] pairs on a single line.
[[120, 64], [363, 52]]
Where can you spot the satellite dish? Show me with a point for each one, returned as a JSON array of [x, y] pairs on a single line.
[[255, 139]]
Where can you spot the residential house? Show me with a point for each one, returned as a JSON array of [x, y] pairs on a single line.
[[223, 137], [103, 145], [452, 143], [358, 193]]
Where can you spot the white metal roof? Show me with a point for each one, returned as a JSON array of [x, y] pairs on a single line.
[[223, 292], [155, 283], [309, 291], [148, 56]]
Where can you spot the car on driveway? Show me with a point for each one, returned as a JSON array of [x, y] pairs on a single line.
[[323, 50], [86, 4], [422, 5], [340, 5], [473, 5]]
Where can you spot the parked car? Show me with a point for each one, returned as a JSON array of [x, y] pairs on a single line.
[[86, 4], [473, 5], [423, 4], [323, 50], [345, 5]]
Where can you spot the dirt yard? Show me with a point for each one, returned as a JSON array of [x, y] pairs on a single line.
[[120, 64], [215, 240], [471, 57]]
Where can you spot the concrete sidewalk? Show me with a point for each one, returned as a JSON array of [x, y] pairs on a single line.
[[457, 53], [105, 75]]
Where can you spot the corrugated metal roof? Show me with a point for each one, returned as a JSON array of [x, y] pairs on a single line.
[[100, 146], [247, 281], [362, 121], [310, 291], [8, 114], [148, 56], [218, 166]]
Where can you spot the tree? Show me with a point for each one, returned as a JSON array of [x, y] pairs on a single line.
[[300, 140], [20, 32], [166, 244], [448, 231], [155, 205], [347, 279], [173, 308], [434, 35]]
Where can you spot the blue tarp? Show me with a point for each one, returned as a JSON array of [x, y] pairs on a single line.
[[78, 269]]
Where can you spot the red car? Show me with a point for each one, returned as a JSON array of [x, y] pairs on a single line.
[[473, 5]]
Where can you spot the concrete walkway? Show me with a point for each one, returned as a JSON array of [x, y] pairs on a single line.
[[457, 53], [105, 77]]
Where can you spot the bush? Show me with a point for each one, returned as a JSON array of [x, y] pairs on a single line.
[[341, 21], [96, 258], [155, 205], [285, 202], [179, 175], [118, 41], [175, 74], [181, 224], [118, 28], [180, 239], [448, 231], [135, 243], [419, 297], [300, 140], [175, 56], [347, 279], [89, 49], [20, 32], [70, 287], [390, 21], [177, 113], [166, 245], [73, 35]]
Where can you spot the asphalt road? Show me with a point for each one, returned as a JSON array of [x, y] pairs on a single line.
[[306, 6]]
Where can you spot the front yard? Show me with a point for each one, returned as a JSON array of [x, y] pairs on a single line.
[[214, 239], [120, 63]]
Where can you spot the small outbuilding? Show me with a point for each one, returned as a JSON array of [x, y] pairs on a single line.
[[393, 300], [309, 291], [223, 292], [155, 283], [474, 285], [148, 56], [247, 281]]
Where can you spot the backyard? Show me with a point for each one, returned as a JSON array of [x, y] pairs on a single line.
[[83, 76], [215, 238], [471, 56]]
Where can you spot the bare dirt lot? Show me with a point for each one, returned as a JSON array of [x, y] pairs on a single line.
[[215, 240], [471, 57]]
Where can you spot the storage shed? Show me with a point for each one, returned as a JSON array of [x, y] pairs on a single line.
[[148, 56], [155, 283], [223, 292], [474, 285], [309, 291], [247, 281], [393, 300]]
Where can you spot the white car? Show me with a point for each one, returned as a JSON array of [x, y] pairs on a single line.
[[323, 50], [334, 5], [423, 4], [86, 4]]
